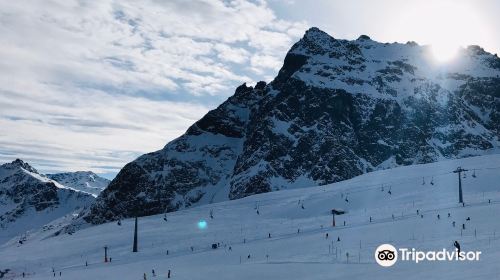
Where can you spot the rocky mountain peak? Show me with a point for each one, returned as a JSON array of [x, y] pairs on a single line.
[[18, 163], [336, 109]]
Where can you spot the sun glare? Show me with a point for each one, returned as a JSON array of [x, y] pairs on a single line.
[[444, 52]]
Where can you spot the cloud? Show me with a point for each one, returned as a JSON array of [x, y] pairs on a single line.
[[93, 84]]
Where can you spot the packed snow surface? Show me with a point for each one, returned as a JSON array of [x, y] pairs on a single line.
[[297, 221]]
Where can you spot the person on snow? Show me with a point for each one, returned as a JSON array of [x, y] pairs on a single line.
[[144, 276], [457, 245], [153, 271], [326, 235], [168, 275]]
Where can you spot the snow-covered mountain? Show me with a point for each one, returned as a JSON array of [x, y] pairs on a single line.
[[336, 109], [29, 200], [84, 181], [381, 207]]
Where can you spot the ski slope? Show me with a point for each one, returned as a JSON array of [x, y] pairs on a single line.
[[290, 254]]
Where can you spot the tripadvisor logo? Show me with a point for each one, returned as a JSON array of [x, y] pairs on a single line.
[[387, 255]]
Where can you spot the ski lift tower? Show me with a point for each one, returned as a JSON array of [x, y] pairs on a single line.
[[336, 212], [459, 172]]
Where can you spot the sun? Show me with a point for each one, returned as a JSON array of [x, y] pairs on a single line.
[[444, 52]]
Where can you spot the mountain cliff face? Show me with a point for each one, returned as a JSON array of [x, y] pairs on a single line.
[[29, 200], [336, 109], [83, 181]]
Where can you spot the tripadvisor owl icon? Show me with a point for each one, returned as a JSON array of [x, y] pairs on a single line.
[[386, 255]]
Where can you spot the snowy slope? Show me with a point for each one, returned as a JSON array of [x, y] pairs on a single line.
[[29, 200], [84, 181], [289, 254], [337, 109]]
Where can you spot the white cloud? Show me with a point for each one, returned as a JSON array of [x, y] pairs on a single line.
[[93, 84]]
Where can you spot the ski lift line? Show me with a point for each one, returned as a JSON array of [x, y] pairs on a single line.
[[358, 189], [370, 187]]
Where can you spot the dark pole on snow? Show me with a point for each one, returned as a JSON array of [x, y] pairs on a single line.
[[459, 172], [134, 249], [105, 254]]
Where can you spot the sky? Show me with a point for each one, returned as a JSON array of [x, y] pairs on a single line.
[[92, 85]]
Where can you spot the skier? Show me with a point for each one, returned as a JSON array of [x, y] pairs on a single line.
[[144, 276], [453, 223], [167, 252], [154, 274], [298, 230], [269, 235], [168, 275], [449, 215], [338, 239], [302, 206], [86, 263], [258, 213], [248, 256], [457, 245], [468, 219], [438, 217], [60, 273], [230, 249], [370, 219], [344, 223], [327, 235]]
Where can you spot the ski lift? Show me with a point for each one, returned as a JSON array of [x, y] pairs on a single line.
[[474, 173], [432, 181], [465, 175]]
